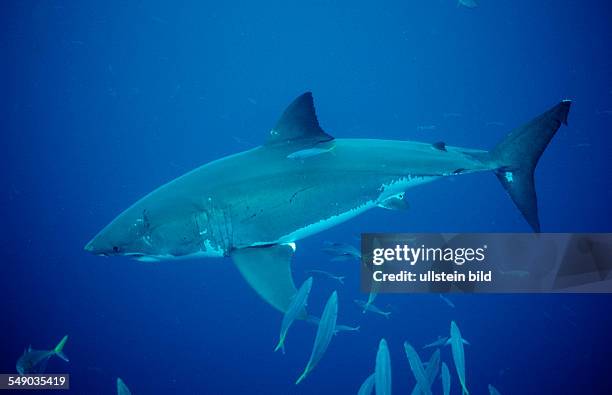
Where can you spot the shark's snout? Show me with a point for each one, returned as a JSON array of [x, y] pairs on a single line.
[[93, 248], [120, 238], [99, 246], [89, 247]]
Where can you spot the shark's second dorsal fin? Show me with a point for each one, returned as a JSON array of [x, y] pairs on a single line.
[[298, 127]]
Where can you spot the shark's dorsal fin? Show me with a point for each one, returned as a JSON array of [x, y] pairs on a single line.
[[298, 127], [268, 270]]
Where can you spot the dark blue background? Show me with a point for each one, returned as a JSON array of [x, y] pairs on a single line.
[[101, 103]]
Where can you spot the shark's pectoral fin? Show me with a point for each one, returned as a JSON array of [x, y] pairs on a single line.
[[395, 202], [268, 271]]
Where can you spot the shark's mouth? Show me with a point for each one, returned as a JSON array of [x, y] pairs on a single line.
[[207, 251]]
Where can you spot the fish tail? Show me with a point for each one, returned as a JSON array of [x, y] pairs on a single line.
[[516, 156], [341, 280], [280, 345], [60, 346], [303, 376]]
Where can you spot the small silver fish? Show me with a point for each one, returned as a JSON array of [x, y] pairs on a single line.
[[417, 369], [368, 386], [447, 301], [382, 371], [295, 309], [122, 389], [456, 342], [339, 327], [309, 152], [371, 307], [340, 279], [325, 332], [341, 251], [35, 361], [347, 328], [446, 379], [468, 3], [373, 293], [431, 371], [440, 341]]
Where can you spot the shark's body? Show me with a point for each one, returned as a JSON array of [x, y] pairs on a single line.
[[254, 205], [259, 197]]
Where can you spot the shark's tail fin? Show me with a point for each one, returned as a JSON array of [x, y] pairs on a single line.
[[517, 156], [60, 346]]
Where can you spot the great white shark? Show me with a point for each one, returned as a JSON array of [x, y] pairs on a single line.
[[255, 205]]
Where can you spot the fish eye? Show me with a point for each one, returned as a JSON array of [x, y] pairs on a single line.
[[115, 249]]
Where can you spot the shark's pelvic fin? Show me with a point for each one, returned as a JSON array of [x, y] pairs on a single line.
[[268, 270], [518, 154], [395, 202], [298, 127]]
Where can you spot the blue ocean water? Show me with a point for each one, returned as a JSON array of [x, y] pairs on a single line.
[[103, 102]]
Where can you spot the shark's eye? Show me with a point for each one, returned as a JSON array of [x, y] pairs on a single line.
[[115, 249]]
